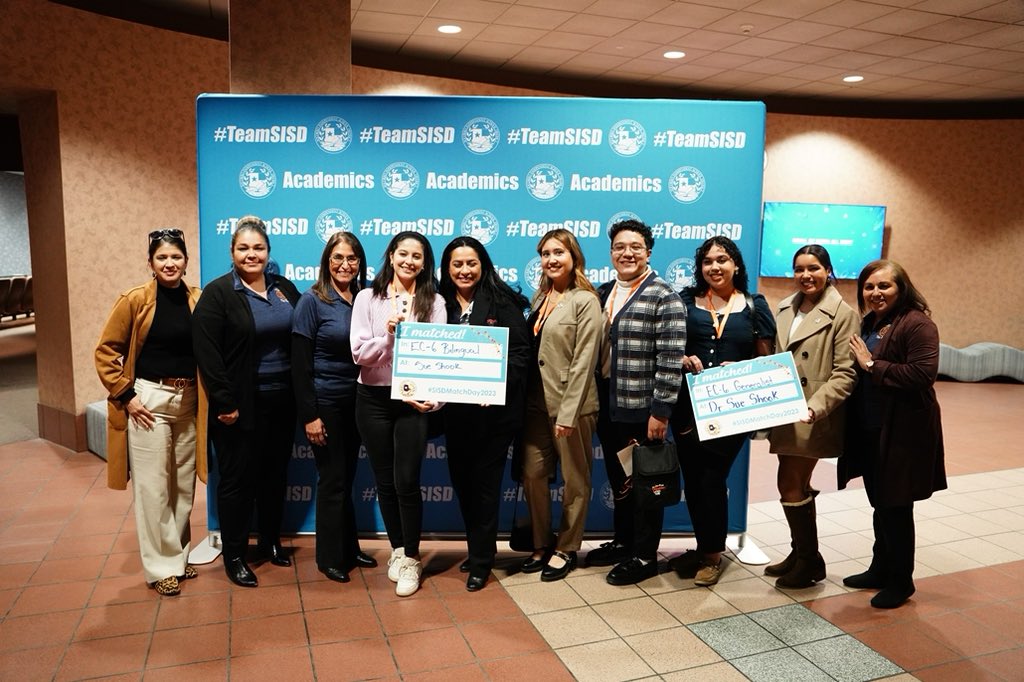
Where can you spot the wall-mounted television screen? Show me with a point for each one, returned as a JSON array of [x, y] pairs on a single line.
[[852, 234]]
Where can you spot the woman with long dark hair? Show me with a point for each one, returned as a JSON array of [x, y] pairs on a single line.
[[478, 436], [395, 431], [815, 324], [324, 377]]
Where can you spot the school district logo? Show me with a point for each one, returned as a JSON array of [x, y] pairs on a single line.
[[686, 184], [607, 496], [627, 138], [679, 274], [480, 135], [533, 273], [620, 217], [400, 180], [480, 225], [333, 134], [257, 179], [330, 221], [544, 182]]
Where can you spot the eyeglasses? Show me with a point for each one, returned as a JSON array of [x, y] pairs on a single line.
[[632, 248], [338, 259], [172, 232]]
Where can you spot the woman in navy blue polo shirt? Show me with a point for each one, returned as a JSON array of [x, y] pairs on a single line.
[[324, 377]]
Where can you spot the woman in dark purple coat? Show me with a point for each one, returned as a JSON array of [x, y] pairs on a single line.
[[894, 430]]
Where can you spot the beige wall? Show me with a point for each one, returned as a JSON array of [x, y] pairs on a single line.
[[122, 161]]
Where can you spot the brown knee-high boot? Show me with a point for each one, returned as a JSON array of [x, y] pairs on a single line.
[[786, 565], [808, 566]]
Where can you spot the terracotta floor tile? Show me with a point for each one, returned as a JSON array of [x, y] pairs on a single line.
[[541, 665], [88, 522], [68, 570], [496, 639], [28, 551], [1004, 619], [413, 615], [38, 630], [852, 612], [292, 665], [69, 547], [342, 624], [122, 590], [7, 599], [264, 601], [461, 673], [116, 620], [272, 632], [324, 594], [356, 660], [192, 609], [207, 670], [188, 645], [124, 564], [1007, 664], [995, 581], [31, 531], [31, 664], [965, 636], [429, 650], [905, 645], [490, 603], [17, 575], [99, 657], [47, 598], [126, 541], [958, 671]]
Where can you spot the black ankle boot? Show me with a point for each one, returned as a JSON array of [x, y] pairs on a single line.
[[239, 572]]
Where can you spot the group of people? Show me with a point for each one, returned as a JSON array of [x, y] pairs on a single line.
[[250, 358]]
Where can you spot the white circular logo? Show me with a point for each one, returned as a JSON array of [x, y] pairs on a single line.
[[333, 134], [400, 180], [257, 179], [627, 137], [480, 135], [544, 182], [679, 274], [686, 184], [330, 221], [621, 216], [607, 496], [533, 272], [480, 225]]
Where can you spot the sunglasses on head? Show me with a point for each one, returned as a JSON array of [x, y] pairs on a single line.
[[172, 232]]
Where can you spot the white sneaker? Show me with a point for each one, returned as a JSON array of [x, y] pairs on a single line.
[[408, 577], [395, 563]]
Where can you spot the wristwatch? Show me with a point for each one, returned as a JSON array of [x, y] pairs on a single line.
[[869, 364]]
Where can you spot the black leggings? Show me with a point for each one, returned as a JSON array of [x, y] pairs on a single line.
[[395, 436], [705, 466], [337, 539]]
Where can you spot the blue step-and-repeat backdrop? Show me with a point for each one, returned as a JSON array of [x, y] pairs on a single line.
[[502, 169]]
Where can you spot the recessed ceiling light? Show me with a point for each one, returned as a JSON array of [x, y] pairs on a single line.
[[852, 79], [674, 54], [449, 28]]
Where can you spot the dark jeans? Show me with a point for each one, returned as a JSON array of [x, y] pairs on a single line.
[[892, 555], [253, 466], [705, 467], [476, 463], [337, 539], [395, 435]]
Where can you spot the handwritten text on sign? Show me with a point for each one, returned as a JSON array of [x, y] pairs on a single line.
[[747, 396], [450, 363]]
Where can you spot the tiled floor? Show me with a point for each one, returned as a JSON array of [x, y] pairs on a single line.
[[73, 604]]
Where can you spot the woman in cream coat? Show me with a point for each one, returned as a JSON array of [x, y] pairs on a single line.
[[561, 402], [815, 324]]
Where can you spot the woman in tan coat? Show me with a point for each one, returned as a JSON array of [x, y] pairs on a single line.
[[144, 359], [815, 325]]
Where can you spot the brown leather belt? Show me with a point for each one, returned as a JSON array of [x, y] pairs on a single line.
[[175, 382]]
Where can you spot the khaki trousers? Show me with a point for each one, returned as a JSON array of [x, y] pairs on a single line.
[[541, 452], [162, 463]]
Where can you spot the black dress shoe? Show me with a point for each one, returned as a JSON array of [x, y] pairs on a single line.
[[275, 553], [631, 572], [892, 597], [475, 583], [239, 572], [867, 580], [550, 574], [464, 566], [364, 560], [532, 565], [336, 574], [608, 554]]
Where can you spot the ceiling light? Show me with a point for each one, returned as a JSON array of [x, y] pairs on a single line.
[[852, 79], [674, 54], [449, 28]]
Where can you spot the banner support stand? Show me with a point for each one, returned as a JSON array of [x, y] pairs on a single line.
[[746, 550], [206, 552]]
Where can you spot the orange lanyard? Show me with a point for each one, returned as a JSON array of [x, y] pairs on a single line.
[[545, 310], [615, 291], [394, 297], [719, 326]]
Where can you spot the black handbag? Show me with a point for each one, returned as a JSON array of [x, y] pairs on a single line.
[[656, 475]]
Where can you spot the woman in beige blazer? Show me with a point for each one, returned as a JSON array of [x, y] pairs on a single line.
[[815, 324], [561, 404]]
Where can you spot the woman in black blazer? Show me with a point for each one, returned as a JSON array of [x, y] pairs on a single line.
[[478, 436], [242, 339]]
